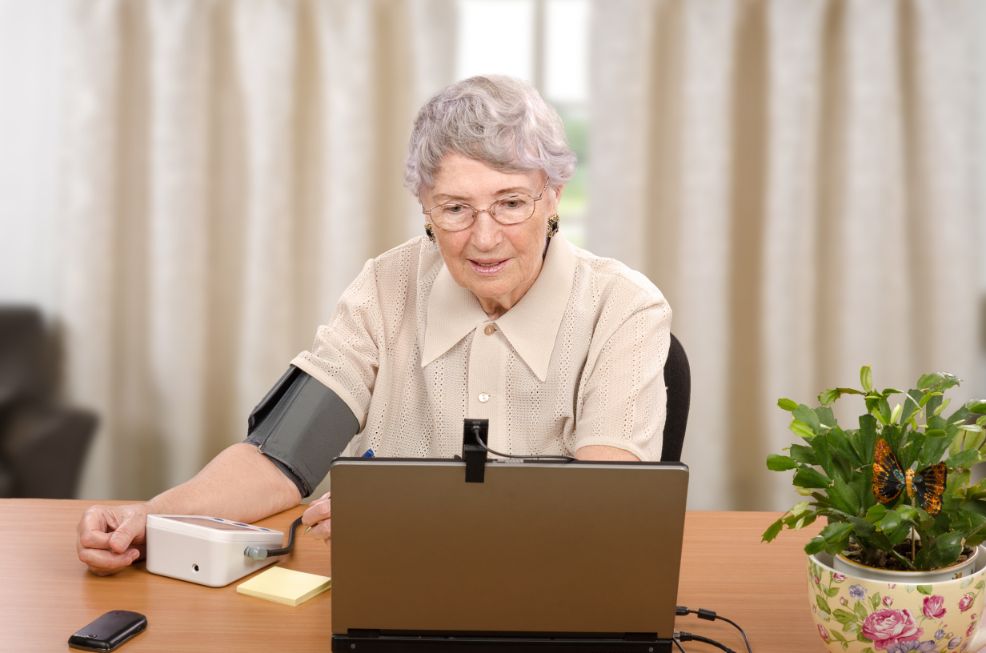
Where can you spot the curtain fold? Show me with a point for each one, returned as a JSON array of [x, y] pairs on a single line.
[[799, 179], [228, 168]]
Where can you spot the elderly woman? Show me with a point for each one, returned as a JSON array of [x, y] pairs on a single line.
[[491, 314]]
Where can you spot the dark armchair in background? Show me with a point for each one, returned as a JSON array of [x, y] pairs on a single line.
[[43, 444]]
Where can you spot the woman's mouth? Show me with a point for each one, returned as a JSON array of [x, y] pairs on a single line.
[[487, 267]]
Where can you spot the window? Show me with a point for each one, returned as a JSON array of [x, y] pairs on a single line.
[[545, 42]]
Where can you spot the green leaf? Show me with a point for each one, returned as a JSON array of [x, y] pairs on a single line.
[[778, 463], [844, 497], [822, 604], [964, 441], [940, 552], [912, 404], [896, 413], [860, 611], [844, 616], [808, 477], [843, 452], [889, 522], [937, 381], [832, 591], [803, 454], [964, 459], [867, 435], [806, 415], [802, 429], [787, 404], [925, 589], [772, 531], [799, 508], [875, 600], [908, 513], [866, 378], [933, 449], [836, 535], [839, 637], [827, 397], [977, 406], [876, 513], [815, 545], [879, 408]]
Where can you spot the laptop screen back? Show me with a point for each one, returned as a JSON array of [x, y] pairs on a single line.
[[588, 548]]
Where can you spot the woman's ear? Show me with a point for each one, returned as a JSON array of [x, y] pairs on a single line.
[[558, 189]]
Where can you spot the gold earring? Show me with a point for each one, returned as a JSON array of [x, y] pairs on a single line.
[[552, 225], [429, 232]]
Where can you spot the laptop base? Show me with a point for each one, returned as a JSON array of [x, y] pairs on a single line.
[[485, 643]]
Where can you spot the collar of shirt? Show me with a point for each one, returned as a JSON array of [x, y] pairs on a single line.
[[531, 325]]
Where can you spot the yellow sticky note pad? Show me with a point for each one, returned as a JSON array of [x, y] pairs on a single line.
[[285, 586]]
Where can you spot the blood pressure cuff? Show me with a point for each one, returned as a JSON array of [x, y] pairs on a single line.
[[301, 426]]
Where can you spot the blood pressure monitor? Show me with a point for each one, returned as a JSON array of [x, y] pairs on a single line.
[[206, 550]]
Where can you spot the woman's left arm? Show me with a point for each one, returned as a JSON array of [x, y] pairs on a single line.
[[602, 452], [622, 401]]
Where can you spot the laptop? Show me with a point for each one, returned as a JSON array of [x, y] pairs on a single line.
[[571, 556]]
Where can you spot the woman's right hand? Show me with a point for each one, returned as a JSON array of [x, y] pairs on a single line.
[[318, 517], [111, 538]]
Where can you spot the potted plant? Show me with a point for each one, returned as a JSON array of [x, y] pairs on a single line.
[[897, 566]]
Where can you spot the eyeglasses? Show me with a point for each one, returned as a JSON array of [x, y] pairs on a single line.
[[512, 209]]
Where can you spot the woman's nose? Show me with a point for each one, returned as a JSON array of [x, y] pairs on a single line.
[[486, 232]]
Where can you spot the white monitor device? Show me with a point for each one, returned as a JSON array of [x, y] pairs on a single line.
[[205, 550]]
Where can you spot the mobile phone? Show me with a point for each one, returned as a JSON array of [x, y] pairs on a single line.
[[108, 631]]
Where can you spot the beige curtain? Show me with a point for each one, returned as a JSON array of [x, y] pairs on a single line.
[[227, 168], [799, 178]]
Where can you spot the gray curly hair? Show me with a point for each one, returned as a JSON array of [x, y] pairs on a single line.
[[499, 120]]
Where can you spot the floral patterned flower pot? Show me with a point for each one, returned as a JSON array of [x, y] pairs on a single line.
[[861, 615]]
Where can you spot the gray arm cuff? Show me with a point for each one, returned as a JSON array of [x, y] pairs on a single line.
[[302, 426]]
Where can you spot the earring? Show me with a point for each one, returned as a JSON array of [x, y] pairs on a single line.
[[552, 225], [429, 232]]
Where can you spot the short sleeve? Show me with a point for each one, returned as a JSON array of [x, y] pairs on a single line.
[[346, 354], [623, 398]]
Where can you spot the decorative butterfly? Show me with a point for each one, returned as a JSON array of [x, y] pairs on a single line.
[[889, 479]]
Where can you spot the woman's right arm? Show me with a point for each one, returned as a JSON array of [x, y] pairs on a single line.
[[239, 484]]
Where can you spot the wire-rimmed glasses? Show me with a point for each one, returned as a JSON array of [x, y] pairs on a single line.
[[510, 209]]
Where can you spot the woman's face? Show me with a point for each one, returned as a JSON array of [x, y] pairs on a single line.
[[497, 263]]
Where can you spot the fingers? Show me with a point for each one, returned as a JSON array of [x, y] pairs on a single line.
[[130, 530], [103, 563], [318, 517], [317, 511], [110, 538]]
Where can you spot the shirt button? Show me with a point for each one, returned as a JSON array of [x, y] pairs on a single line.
[[483, 397], [490, 329]]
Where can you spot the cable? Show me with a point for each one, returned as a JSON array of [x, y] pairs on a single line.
[[262, 552], [692, 637], [709, 615], [678, 644], [560, 457]]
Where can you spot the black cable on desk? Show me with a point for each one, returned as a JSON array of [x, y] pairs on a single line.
[[692, 637], [709, 615]]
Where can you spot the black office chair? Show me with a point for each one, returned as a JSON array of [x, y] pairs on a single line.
[[43, 443], [678, 379]]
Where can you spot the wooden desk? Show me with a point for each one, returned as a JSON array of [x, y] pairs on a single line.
[[46, 593]]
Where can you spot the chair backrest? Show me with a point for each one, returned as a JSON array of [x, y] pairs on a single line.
[[678, 379]]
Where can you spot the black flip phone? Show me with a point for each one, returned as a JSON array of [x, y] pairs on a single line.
[[108, 631]]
